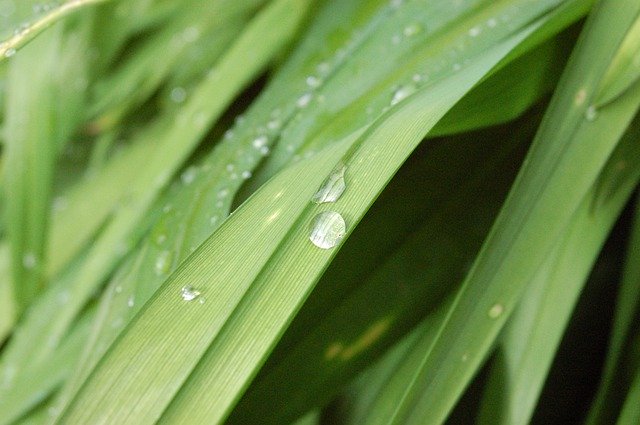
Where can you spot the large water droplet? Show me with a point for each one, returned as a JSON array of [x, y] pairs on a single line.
[[327, 229], [591, 113], [332, 187], [189, 293]]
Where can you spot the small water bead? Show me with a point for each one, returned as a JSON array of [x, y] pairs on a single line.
[[323, 68], [260, 142], [223, 193], [304, 100], [474, 32], [60, 203], [131, 301], [230, 167], [191, 34], [492, 23], [246, 174], [213, 220], [591, 113], [265, 150], [9, 52], [161, 238], [327, 229], [189, 175], [189, 293], [412, 29], [178, 95], [163, 263], [332, 187], [313, 81], [495, 311], [402, 93], [117, 289], [274, 124], [29, 260]]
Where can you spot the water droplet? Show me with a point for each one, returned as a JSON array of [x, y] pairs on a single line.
[[327, 229], [188, 175], [492, 22], [117, 289], [161, 238], [9, 52], [474, 31], [223, 193], [323, 68], [313, 81], [402, 93], [274, 124], [260, 142], [230, 167], [591, 113], [416, 78], [178, 95], [191, 34], [412, 29], [189, 293], [246, 174], [464, 357], [265, 150], [60, 203], [29, 260], [332, 187], [213, 220], [496, 311], [304, 100], [131, 301], [163, 263]]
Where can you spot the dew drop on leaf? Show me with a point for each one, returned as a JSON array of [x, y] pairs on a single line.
[[163, 263], [402, 93], [188, 176], [304, 100], [29, 260], [591, 114], [332, 187], [495, 311], [327, 229], [189, 293]]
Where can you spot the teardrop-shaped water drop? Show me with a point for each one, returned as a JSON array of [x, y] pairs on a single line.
[[327, 229], [332, 187]]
